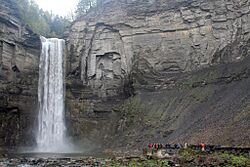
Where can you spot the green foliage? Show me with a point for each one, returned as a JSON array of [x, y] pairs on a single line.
[[235, 160], [41, 22], [187, 154], [133, 106], [146, 163], [214, 159], [132, 110], [84, 6]]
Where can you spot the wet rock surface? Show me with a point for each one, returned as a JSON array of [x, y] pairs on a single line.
[[42, 162], [83, 162]]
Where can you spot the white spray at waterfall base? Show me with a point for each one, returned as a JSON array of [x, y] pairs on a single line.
[[51, 135]]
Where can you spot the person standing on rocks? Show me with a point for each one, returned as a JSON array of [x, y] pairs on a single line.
[[150, 146], [203, 147], [185, 146]]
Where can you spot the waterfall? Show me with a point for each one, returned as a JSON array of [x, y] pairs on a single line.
[[51, 135]]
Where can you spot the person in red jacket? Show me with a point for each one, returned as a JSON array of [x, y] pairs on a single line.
[[155, 145], [150, 146]]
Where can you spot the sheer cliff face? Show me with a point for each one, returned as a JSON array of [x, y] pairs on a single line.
[[161, 46], [164, 36], [19, 63]]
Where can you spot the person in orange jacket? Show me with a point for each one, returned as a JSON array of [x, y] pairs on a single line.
[[203, 146]]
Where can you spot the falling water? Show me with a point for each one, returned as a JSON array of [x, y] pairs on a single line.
[[51, 125]]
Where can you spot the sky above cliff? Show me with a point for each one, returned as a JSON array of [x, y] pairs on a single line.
[[59, 7]]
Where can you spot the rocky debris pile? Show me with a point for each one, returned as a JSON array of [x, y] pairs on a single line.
[[64, 162], [185, 157], [84, 162]]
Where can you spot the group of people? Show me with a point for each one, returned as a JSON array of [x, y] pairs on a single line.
[[157, 146], [166, 146]]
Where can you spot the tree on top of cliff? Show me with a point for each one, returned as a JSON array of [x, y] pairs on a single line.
[[42, 22], [84, 6]]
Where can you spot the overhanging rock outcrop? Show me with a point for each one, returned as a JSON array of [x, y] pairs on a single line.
[[150, 44]]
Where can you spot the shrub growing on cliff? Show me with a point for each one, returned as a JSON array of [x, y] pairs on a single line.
[[84, 6], [132, 110]]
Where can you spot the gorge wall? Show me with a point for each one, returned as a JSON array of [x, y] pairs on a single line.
[[137, 71], [19, 66], [183, 62]]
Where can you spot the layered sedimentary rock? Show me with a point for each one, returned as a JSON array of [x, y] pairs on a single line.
[[19, 65], [167, 36], [154, 49]]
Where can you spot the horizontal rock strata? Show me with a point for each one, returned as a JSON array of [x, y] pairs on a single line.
[[19, 65], [154, 49]]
